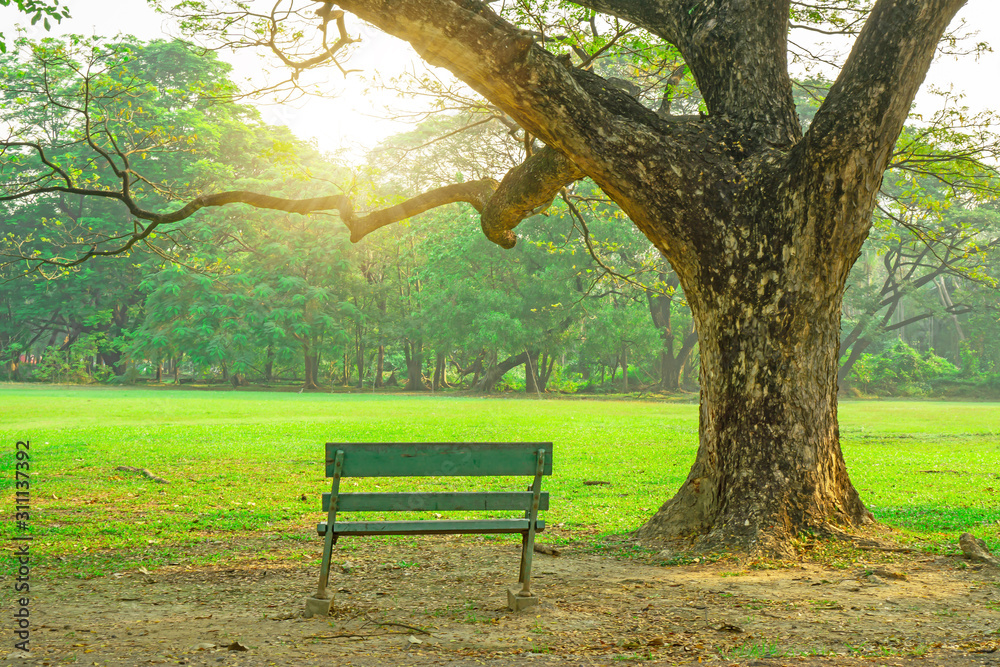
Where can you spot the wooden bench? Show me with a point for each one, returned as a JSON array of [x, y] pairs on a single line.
[[435, 460]]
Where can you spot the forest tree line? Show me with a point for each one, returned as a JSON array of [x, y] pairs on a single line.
[[583, 303]]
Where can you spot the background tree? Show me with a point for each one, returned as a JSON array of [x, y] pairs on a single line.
[[138, 100], [934, 227]]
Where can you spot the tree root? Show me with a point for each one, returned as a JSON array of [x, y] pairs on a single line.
[[397, 625], [865, 544], [975, 549]]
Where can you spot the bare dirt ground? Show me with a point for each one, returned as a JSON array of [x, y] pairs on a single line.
[[442, 601]]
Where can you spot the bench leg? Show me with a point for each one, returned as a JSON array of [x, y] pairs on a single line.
[[516, 601], [319, 604], [527, 547], [523, 598], [324, 568], [317, 607]]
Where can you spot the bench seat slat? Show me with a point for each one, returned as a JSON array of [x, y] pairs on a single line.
[[431, 459], [437, 527], [436, 501]]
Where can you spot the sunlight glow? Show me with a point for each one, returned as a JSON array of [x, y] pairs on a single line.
[[354, 116]]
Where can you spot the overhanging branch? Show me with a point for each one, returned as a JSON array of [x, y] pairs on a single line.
[[476, 193], [559, 104], [525, 190]]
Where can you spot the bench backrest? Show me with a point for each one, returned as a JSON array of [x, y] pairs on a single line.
[[433, 459]]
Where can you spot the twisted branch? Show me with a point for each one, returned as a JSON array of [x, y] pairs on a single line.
[[527, 189]]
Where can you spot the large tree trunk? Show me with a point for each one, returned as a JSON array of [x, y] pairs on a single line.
[[769, 459]]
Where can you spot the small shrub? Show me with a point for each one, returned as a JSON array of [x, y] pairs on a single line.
[[902, 371]]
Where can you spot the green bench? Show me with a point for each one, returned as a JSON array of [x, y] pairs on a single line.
[[435, 460]]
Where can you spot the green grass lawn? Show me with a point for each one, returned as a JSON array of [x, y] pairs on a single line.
[[239, 463]]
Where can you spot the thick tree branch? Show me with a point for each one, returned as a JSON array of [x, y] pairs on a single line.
[[495, 58], [560, 105], [476, 193], [737, 51], [839, 165], [866, 107], [526, 189], [664, 18], [606, 133]]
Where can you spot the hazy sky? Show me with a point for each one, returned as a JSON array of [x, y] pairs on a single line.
[[352, 119]]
